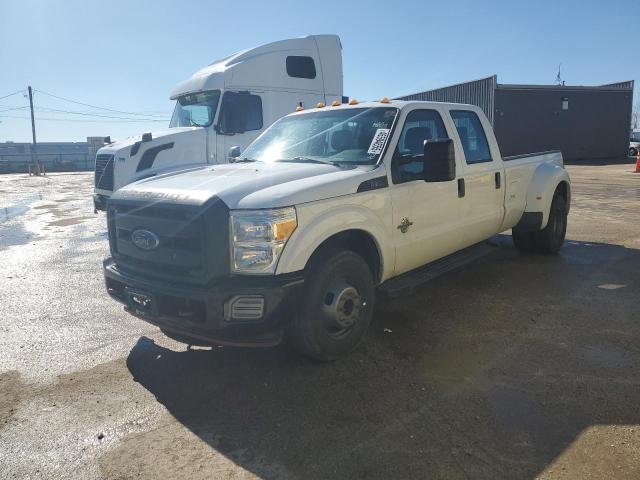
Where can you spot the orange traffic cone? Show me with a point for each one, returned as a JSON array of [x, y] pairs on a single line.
[[638, 162]]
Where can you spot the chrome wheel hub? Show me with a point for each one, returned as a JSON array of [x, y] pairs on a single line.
[[342, 307]]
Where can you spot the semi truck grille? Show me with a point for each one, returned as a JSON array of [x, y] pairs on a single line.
[[104, 172], [191, 243]]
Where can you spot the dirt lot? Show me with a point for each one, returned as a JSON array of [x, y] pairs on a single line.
[[518, 366]]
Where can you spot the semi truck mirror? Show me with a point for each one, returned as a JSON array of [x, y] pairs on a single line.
[[234, 152], [439, 160]]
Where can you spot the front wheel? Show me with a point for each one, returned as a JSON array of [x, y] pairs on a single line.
[[633, 152], [336, 308]]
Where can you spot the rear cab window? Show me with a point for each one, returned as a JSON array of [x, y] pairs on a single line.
[[472, 136]]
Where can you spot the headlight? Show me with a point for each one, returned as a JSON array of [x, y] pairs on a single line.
[[258, 237]]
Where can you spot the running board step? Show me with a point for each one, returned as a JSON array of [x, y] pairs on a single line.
[[407, 282]]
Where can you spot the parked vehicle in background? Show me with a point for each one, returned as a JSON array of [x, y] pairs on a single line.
[[324, 207], [634, 143], [229, 103]]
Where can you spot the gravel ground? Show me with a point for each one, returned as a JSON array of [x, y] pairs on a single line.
[[518, 366]]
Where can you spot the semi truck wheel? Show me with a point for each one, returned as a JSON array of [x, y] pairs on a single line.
[[551, 237], [336, 308]]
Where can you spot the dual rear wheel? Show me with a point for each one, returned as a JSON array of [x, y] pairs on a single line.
[[550, 238]]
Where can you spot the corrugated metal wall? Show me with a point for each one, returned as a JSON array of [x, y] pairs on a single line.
[[625, 85], [582, 122], [529, 118], [477, 92]]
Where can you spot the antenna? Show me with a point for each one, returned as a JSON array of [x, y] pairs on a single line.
[[559, 80]]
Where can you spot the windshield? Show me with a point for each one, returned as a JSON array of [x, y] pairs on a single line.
[[195, 110], [350, 135], [635, 137]]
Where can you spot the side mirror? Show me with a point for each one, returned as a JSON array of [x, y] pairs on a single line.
[[234, 152], [439, 160]]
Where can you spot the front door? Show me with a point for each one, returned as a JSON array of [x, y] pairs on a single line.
[[427, 218], [240, 121]]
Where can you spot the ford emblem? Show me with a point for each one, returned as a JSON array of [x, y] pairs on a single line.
[[144, 239]]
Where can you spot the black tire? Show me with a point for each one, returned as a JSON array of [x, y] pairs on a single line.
[[633, 152], [523, 241], [336, 308], [551, 237]]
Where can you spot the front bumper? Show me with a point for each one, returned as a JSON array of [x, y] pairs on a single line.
[[100, 202], [203, 312]]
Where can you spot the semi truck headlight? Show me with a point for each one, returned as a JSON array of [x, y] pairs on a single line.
[[258, 237]]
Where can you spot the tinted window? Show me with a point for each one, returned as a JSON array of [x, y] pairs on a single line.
[[419, 126], [301, 67], [240, 112], [474, 141]]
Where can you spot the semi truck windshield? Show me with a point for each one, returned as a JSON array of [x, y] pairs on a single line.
[[195, 110]]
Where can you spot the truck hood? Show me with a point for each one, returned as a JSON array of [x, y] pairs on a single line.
[[252, 185], [158, 137]]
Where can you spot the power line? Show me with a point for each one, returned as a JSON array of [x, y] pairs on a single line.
[[11, 94], [14, 108], [132, 120], [46, 109], [95, 106]]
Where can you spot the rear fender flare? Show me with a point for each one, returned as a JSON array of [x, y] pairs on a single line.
[[543, 185]]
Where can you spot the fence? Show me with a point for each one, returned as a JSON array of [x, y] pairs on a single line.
[[52, 162]]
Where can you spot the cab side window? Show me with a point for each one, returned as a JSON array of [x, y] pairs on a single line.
[[240, 112], [301, 67], [474, 141], [419, 126]]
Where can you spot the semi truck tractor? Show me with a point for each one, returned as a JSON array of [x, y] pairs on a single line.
[[329, 204], [228, 103]]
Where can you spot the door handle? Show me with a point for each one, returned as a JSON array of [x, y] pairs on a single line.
[[497, 180], [461, 189]]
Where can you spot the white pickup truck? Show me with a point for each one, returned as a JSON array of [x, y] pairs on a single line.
[[327, 205]]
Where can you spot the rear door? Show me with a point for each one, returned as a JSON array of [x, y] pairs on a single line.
[[426, 215], [483, 178]]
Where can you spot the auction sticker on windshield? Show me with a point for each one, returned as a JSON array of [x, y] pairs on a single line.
[[378, 141]]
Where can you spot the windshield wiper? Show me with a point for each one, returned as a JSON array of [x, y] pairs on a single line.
[[311, 160], [245, 160]]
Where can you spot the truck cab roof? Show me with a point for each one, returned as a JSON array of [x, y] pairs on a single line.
[[400, 104], [237, 71]]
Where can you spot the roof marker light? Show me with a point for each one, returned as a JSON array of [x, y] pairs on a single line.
[[385, 100], [353, 101], [336, 103], [320, 105]]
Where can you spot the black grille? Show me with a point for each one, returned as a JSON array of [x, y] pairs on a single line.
[[104, 172], [193, 240]]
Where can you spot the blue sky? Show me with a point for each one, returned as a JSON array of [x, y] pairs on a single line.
[[127, 55]]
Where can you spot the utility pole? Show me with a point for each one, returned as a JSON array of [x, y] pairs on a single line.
[[34, 153]]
